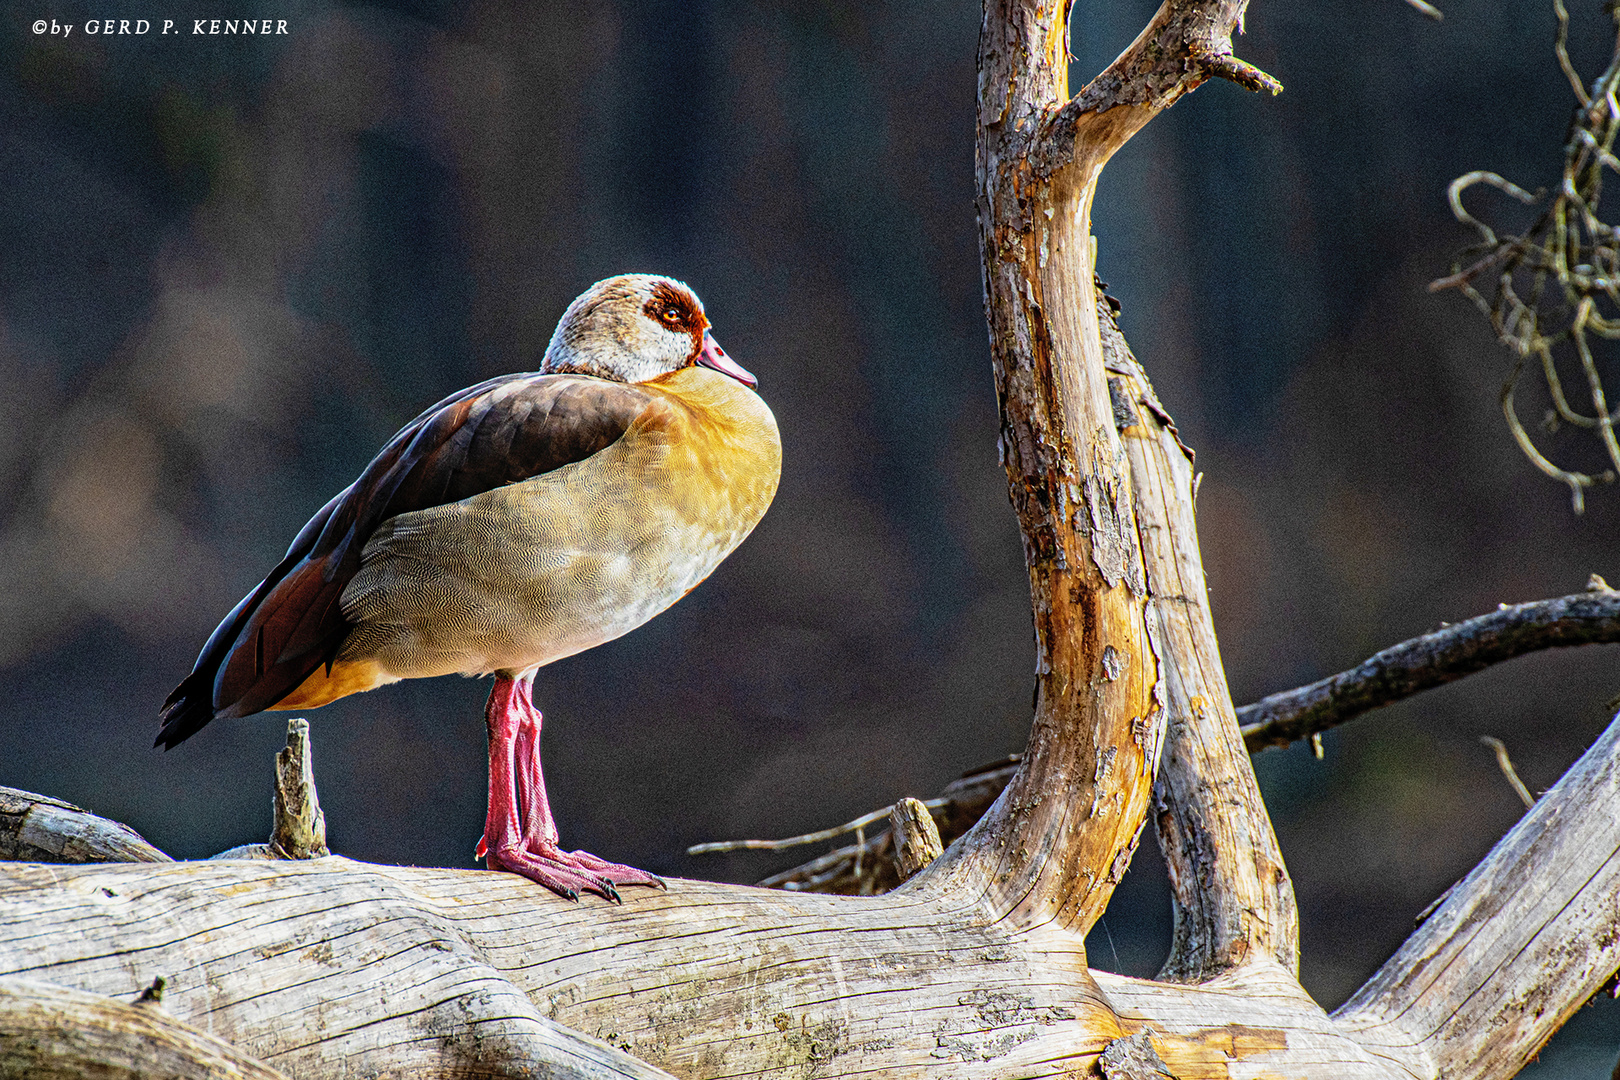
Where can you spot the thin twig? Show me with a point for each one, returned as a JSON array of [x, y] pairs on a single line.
[[1599, 403], [868, 867], [1505, 763], [1560, 47], [1550, 278], [718, 846], [1577, 482], [1429, 661]]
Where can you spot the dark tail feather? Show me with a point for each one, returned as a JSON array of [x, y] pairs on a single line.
[[187, 710]]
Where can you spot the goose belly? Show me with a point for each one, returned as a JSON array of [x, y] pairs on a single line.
[[512, 579]]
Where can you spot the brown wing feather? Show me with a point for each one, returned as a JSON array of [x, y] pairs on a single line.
[[498, 432]]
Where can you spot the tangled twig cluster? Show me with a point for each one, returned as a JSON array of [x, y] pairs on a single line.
[[1559, 281]]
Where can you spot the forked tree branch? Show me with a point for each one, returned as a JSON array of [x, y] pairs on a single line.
[[1421, 663], [1183, 46], [1119, 642]]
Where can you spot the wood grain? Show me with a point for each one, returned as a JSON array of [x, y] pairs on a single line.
[[330, 967], [916, 837], [38, 828], [1232, 897], [304, 963], [49, 1032]]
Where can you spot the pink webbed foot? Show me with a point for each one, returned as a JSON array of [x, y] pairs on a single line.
[[519, 823], [567, 873]]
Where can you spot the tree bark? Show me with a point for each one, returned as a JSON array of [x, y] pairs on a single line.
[[976, 966], [1434, 659], [1233, 900]]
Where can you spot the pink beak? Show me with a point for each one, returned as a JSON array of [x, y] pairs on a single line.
[[713, 356]]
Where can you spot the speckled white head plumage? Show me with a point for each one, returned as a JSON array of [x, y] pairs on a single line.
[[631, 328]]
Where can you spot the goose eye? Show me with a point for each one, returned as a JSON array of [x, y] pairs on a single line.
[[672, 314]]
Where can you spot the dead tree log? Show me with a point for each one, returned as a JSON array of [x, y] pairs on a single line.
[[328, 967], [976, 966]]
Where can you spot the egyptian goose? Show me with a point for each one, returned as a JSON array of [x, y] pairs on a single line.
[[514, 523]]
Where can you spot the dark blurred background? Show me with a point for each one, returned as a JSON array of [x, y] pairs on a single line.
[[231, 267]]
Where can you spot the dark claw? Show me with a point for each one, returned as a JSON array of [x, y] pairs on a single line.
[[559, 871]]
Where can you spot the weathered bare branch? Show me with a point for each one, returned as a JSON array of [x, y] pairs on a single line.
[[1509, 773], [1036, 858], [1546, 897], [429, 971], [1184, 45], [1429, 661], [434, 969], [1233, 901], [858, 825], [36, 828]]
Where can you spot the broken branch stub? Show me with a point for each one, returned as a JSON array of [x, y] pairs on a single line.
[[916, 837], [300, 827]]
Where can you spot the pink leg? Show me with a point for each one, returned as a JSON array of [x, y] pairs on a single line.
[[519, 833]]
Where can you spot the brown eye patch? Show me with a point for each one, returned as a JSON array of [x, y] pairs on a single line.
[[675, 309]]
